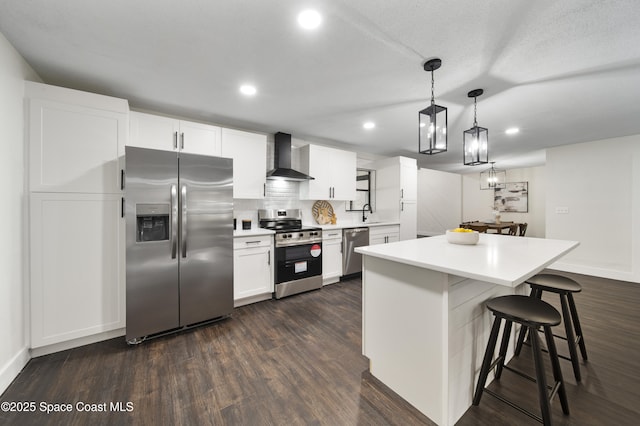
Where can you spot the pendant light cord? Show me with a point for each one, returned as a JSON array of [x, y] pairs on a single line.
[[475, 110], [432, 84]]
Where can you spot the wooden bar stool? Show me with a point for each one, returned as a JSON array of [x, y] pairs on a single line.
[[531, 313], [564, 287]]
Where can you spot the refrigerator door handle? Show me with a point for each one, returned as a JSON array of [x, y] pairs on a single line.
[[183, 228], [174, 221]]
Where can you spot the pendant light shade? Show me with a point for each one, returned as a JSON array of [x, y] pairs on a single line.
[[493, 178], [432, 121], [475, 145]]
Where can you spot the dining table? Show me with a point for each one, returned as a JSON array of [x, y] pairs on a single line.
[[496, 226]]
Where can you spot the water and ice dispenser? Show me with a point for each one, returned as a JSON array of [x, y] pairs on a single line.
[[152, 222]]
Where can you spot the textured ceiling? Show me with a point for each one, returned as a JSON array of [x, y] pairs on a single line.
[[563, 71]]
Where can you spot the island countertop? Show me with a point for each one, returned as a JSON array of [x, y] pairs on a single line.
[[424, 321], [499, 259]]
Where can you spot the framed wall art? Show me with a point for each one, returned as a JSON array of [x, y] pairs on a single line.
[[513, 198]]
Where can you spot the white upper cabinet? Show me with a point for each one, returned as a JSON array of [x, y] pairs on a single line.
[[170, 134], [249, 153], [333, 170], [153, 131], [76, 140], [203, 139]]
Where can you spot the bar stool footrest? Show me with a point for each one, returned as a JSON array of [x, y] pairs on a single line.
[[513, 405], [546, 351], [525, 376]]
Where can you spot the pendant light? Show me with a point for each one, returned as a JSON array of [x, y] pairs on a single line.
[[493, 178], [476, 139], [432, 130]]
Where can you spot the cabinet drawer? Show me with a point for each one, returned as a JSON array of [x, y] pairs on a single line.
[[332, 235], [251, 242], [384, 230]]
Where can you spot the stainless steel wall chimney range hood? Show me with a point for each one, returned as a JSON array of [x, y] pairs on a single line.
[[282, 160]]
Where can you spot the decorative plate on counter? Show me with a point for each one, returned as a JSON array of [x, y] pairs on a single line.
[[322, 212]]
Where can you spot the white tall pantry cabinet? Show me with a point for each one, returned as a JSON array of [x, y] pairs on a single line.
[[76, 149], [397, 194]]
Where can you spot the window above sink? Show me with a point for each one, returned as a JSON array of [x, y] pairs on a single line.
[[365, 191]]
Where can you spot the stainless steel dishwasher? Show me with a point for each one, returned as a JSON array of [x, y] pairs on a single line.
[[352, 238]]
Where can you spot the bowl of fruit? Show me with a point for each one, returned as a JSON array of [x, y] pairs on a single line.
[[462, 236]]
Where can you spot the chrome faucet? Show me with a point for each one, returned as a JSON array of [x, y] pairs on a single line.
[[364, 218]]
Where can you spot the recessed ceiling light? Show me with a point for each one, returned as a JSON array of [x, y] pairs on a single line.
[[369, 125], [248, 90], [309, 19], [512, 131]]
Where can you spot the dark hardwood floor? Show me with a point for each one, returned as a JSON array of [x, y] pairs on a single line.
[[297, 361]]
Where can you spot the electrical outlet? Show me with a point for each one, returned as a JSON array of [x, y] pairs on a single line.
[[562, 210]]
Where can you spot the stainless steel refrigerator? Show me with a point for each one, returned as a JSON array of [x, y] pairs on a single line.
[[179, 227]]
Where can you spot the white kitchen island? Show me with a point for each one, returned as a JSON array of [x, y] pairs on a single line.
[[425, 327]]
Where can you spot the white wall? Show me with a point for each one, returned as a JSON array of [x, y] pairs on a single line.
[[599, 183], [439, 201], [477, 204], [14, 352]]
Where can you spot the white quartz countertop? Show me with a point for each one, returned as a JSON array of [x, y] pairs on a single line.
[[350, 225], [253, 232], [500, 259]]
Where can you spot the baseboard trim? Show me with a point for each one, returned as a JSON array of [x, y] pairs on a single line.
[[11, 369], [75, 343]]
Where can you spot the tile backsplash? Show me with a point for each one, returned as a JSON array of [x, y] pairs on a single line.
[[282, 194]]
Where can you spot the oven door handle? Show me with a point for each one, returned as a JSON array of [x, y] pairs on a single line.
[[288, 244]]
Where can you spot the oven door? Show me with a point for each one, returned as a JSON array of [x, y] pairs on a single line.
[[297, 262]]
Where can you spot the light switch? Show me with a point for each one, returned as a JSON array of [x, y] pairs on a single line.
[[562, 210]]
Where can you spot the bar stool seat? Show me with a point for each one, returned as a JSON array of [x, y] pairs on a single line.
[[564, 287], [531, 313]]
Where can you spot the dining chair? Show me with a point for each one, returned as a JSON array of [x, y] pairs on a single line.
[[523, 229], [513, 229]]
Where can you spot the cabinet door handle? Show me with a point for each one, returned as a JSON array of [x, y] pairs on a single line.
[[402, 206], [269, 258], [121, 179], [264, 189], [182, 140], [122, 208], [402, 193], [175, 140], [252, 242]]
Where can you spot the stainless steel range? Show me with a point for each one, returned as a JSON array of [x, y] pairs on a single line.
[[298, 252]]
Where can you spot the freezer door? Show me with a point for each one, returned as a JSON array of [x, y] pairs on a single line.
[[151, 211], [206, 238]]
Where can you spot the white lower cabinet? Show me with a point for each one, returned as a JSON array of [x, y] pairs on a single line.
[[77, 266], [331, 256], [252, 269], [384, 234]]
